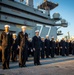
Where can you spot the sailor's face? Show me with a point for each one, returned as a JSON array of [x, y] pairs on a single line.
[[52, 38], [14, 36], [42, 39], [62, 38], [57, 40], [6, 29], [47, 37], [23, 29], [37, 33], [67, 40]]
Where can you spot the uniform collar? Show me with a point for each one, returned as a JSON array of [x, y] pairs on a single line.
[[7, 33], [23, 32], [14, 38], [37, 36]]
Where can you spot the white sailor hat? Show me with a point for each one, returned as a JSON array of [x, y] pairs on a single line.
[[42, 37], [7, 26], [14, 34], [23, 27], [36, 31], [47, 35], [30, 38], [52, 36]]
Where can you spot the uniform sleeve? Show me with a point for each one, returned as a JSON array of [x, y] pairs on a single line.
[[40, 43], [33, 42], [55, 43], [18, 39], [60, 44], [26, 36], [1, 37], [50, 43], [27, 42], [45, 42], [11, 39]]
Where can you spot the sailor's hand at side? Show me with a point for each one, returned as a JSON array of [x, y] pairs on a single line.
[[0, 47], [18, 47], [34, 49]]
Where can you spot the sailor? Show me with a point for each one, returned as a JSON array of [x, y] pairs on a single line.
[[0, 54], [14, 48], [36, 42], [43, 47], [57, 47], [70, 46], [23, 46], [73, 47], [6, 42], [62, 47], [67, 48], [47, 46], [30, 50], [53, 45]]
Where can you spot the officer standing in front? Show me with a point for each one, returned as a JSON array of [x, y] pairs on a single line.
[[36, 47], [6, 42], [23, 46]]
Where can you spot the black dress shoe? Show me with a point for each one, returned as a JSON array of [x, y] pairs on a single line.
[[20, 65], [42, 58], [39, 64], [8, 68], [35, 64], [3, 68], [24, 66], [47, 57]]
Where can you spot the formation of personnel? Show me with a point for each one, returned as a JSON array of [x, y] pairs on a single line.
[[13, 46]]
